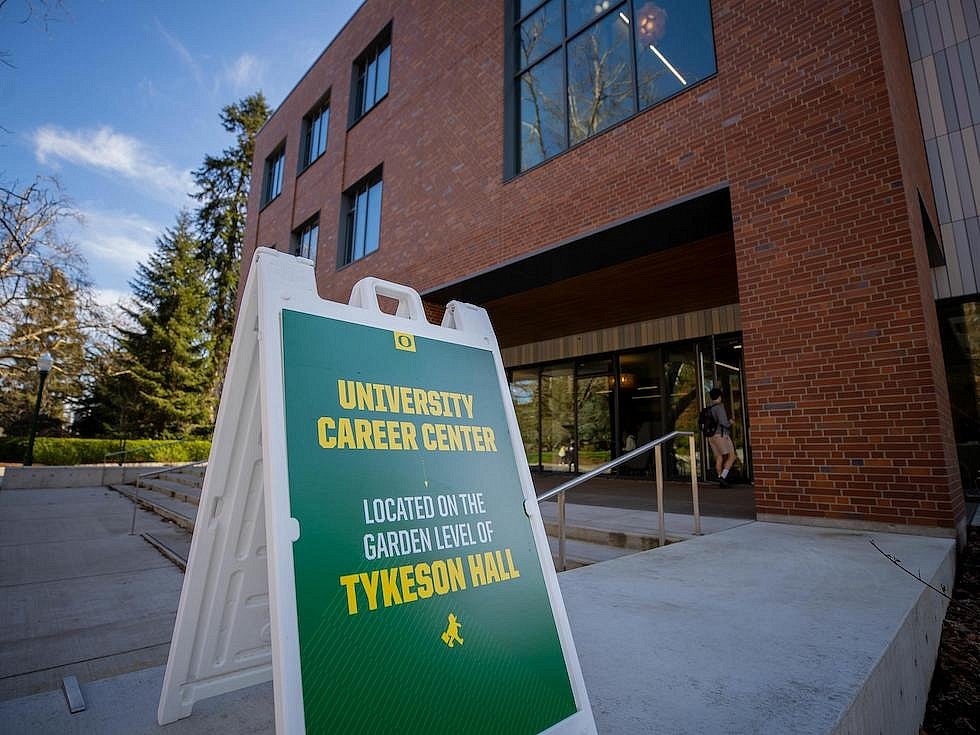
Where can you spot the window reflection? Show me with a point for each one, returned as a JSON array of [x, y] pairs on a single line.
[[584, 65], [674, 47], [594, 400], [600, 77], [542, 111], [524, 392], [540, 33], [558, 418], [580, 12]]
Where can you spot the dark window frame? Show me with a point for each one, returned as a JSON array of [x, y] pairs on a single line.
[[307, 129], [296, 243], [513, 71], [273, 172], [359, 76], [346, 244]]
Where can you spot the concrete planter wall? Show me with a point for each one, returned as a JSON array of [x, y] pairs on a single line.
[[28, 478]]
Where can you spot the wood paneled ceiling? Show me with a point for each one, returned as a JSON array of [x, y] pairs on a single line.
[[691, 277]]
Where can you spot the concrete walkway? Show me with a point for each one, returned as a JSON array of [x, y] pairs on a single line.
[[78, 594], [760, 628]]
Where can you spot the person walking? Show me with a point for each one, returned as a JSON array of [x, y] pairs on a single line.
[[721, 441]]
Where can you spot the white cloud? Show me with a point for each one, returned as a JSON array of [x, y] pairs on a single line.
[[107, 150], [113, 244], [244, 72]]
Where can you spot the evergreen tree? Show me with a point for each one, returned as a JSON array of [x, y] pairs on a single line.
[[166, 353], [223, 183], [47, 321], [106, 408]]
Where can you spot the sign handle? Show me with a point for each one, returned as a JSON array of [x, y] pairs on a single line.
[[366, 292]]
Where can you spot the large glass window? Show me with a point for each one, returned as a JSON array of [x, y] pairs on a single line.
[[363, 218], [600, 77], [542, 111], [584, 65], [674, 47], [371, 75]]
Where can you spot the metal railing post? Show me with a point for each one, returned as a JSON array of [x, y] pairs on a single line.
[[136, 502], [694, 488], [152, 473], [656, 445], [561, 532], [661, 526]]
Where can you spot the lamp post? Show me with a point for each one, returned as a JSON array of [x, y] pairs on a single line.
[[44, 363]]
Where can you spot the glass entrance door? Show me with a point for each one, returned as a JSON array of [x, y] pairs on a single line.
[[721, 367], [594, 382], [558, 418], [681, 387], [641, 406]]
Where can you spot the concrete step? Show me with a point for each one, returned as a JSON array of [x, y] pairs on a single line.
[[176, 511], [184, 477], [597, 535], [171, 489], [172, 542], [582, 553]]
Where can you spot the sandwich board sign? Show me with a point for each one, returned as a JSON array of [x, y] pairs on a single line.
[[367, 535]]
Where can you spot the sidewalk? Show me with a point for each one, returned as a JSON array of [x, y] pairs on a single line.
[[760, 628]]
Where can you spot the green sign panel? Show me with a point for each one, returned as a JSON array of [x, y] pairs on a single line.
[[420, 598]]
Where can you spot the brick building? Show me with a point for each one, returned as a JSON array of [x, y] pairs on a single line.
[[653, 198]]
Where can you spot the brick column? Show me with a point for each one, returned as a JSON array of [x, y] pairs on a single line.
[[848, 404]]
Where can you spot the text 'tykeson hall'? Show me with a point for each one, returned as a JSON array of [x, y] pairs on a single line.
[[653, 198]]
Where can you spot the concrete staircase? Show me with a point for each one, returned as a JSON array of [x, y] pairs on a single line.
[[174, 496]]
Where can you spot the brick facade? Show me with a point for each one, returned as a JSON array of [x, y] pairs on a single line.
[[809, 123]]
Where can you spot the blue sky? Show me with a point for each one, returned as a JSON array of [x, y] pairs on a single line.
[[119, 99]]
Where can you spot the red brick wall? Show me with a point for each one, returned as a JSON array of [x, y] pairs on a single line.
[[847, 401], [845, 387]]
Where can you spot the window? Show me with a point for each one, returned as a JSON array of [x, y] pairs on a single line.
[[314, 140], [362, 220], [370, 83], [581, 66], [304, 239], [272, 180]]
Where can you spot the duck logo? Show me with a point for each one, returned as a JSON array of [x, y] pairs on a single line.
[[404, 342]]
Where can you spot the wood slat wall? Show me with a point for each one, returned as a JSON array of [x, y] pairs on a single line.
[[648, 333]]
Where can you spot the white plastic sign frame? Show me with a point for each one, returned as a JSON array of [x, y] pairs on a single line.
[[237, 620]]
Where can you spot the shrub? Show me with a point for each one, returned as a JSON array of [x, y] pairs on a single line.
[[59, 451]]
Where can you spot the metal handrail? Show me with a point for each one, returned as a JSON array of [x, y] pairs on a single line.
[[143, 475], [124, 452], [654, 446]]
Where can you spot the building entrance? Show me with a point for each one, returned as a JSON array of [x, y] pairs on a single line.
[[577, 415]]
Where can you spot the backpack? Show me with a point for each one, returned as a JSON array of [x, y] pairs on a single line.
[[707, 422]]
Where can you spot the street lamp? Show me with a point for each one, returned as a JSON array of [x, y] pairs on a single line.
[[44, 363]]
